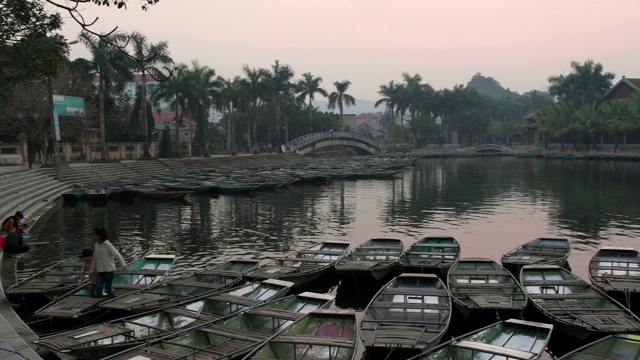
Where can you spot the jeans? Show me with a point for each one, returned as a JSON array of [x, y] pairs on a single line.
[[105, 279]]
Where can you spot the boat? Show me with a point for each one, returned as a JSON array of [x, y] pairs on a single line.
[[80, 306], [304, 266], [619, 346], [431, 255], [483, 289], [409, 315], [162, 194], [321, 335], [376, 259], [47, 284], [574, 306], [98, 194], [235, 336], [540, 251], [109, 338], [74, 194], [169, 292], [510, 339], [616, 271]]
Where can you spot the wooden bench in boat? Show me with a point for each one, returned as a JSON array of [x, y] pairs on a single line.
[[92, 333], [278, 313], [316, 341], [227, 273], [155, 354], [307, 260], [134, 300], [593, 295], [245, 334], [320, 252], [611, 322], [555, 283], [403, 305], [234, 299], [199, 284], [405, 321], [415, 291], [494, 349], [432, 253], [397, 334], [498, 272]]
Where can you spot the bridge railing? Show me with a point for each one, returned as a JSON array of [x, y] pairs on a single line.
[[303, 140]]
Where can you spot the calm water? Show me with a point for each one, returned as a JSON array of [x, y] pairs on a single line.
[[491, 205]]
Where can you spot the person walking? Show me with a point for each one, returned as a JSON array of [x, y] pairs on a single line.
[[103, 262]]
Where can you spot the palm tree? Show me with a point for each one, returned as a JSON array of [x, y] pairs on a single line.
[[556, 119], [279, 85], [111, 64], [309, 86], [417, 96], [232, 97], [340, 98], [151, 59], [587, 121], [203, 87], [586, 83], [175, 90], [617, 117], [254, 87]]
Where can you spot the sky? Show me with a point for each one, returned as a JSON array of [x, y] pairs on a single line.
[[520, 43]]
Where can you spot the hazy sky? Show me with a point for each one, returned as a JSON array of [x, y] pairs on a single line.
[[370, 42]]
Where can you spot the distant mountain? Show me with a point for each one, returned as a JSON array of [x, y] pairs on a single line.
[[362, 106], [489, 86]]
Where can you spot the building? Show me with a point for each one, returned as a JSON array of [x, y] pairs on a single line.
[[623, 89]]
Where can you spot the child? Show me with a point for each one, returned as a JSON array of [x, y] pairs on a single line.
[[103, 262], [87, 257]]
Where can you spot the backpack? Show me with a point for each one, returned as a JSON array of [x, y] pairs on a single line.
[[6, 220]]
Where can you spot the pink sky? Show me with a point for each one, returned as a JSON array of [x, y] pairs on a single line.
[[370, 42]]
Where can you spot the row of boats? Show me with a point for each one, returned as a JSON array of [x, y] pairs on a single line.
[[213, 314]]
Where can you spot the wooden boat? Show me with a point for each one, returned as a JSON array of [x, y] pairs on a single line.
[[431, 255], [616, 271], [235, 336], [541, 251], [42, 287], [98, 194], [79, 305], [74, 194], [620, 346], [304, 266], [409, 314], [485, 289], [575, 307], [510, 339], [376, 259], [166, 293], [162, 194], [320, 335], [106, 339]]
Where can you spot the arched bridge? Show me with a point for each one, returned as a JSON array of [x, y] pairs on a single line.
[[311, 142], [488, 148]]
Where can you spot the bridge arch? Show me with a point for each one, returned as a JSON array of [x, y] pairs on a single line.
[[489, 148], [311, 142]]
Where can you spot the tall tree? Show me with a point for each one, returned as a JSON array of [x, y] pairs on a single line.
[[340, 98], [150, 59], [232, 97], [175, 90], [309, 86], [586, 83], [254, 87], [618, 118], [279, 85], [111, 64], [204, 86]]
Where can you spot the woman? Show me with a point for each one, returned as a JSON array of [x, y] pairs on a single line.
[[103, 262]]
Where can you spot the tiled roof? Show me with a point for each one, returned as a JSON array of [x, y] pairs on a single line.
[[367, 116], [168, 117]]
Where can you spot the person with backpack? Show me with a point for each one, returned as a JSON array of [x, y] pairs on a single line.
[[12, 223]]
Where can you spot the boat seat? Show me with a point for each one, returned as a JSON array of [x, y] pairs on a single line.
[[567, 296], [244, 334], [555, 283], [479, 273], [309, 260], [234, 299], [416, 291], [377, 253], [281, 314], [142, 272], [221, 273], [389, 304], [199, 284], [317, 341], [438, 254], [320, 252], [402, 321]]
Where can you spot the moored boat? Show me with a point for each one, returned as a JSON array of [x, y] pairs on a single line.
[[376, 259], [162, 194], [97, 194], [303, 266], [42, 287], [320, 335], [235, 336], [410, 314], [106, 339], [540, 251], [482, 288], [510, 339], [575, 307], [74, 194], [431, 255], [616, 270], [80, 306], [169, 292], [620, 346]]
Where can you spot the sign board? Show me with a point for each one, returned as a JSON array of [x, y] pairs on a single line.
[[64, 105]]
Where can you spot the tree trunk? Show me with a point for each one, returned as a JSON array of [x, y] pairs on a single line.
[[341, 110], [145, 126], [255, 130], [178, 121], [310, 117], [229, 147], [278, 114], [233, 135], [103, 131]]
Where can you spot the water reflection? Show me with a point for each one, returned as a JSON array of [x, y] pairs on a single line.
[[490, 205]]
